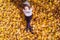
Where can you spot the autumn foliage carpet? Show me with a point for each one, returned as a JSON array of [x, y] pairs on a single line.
[[45, 20]]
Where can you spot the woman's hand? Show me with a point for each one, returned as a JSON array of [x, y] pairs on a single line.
[[32, 7]]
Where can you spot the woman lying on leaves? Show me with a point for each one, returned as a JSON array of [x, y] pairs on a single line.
[[28, 15]]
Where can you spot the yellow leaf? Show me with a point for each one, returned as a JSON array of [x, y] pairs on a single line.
[[0, 1]]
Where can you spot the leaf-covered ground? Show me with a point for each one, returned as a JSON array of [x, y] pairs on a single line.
[[45, 20]]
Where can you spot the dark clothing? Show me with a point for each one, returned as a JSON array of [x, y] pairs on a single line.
[[28, 19]]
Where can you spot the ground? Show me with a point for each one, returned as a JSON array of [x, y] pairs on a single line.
[[45, 20]]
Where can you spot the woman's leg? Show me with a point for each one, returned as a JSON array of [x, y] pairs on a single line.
[[30, 28], [28, 19]]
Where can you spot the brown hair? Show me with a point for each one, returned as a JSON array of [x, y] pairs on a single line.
[[26, 5]]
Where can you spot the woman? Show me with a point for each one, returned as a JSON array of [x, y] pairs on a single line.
[[28, 15]]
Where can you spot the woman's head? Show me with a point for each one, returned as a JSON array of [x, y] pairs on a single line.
[[26, 7]]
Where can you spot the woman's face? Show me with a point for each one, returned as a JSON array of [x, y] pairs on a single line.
[[26, 8]]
